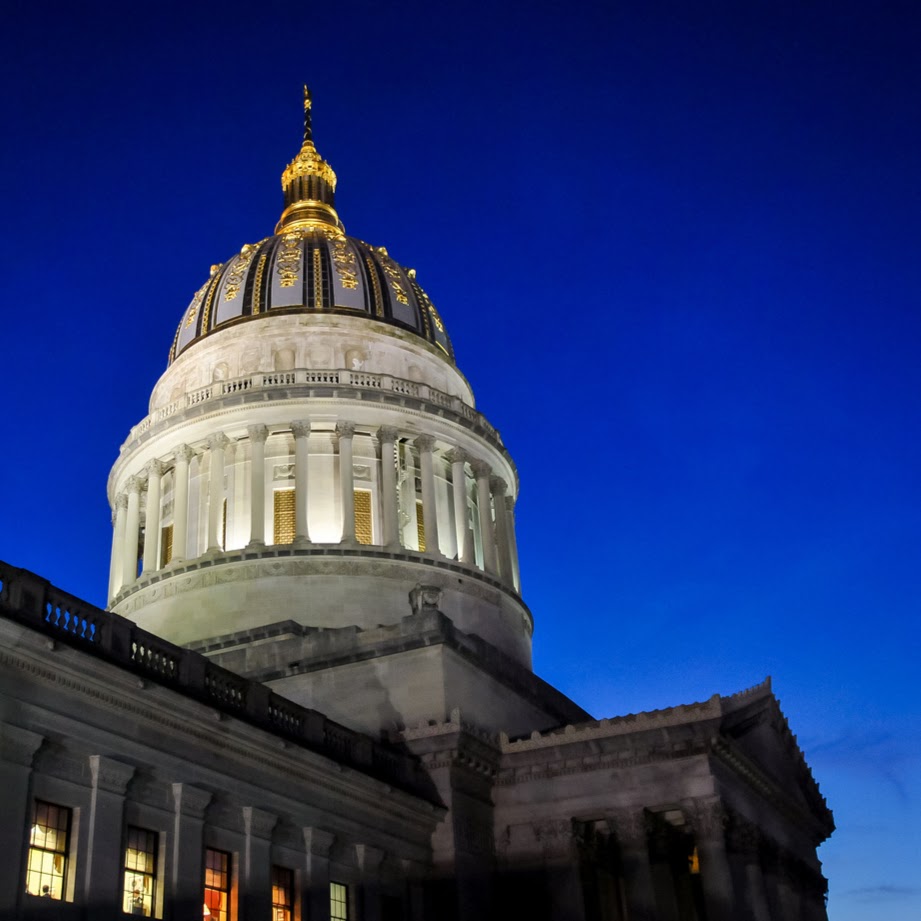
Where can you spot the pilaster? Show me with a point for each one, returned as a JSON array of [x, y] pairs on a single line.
[[186, 871]]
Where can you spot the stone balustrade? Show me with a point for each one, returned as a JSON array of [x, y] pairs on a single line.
[[32, 601], [346, 382]]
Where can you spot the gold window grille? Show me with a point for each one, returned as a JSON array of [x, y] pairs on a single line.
[[284, 514], [364, 531], [166, 545], [420, 525]]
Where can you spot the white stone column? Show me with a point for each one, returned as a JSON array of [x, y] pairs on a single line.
[[425, 444], [513, 542], [184, 889], [132, 527], [708, 821], [102, 863], [181, 504], [317, 844], [498, 487], [256, 869], [301, 432], [345, 431], [257, 437], [152, 528], [632, 833], [18, 747], [116, 570], [216, 445], [482, 472], [390, 512], [465, 549]]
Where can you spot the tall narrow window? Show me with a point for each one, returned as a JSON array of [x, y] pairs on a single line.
[[224, 525], [420, 524], [282, 894], [284, 516], [217, 884], [338, 902], [140, 878], [166, 545], [363, 525], [49, 849]]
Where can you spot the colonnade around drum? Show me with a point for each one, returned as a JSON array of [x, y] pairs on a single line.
[[417, 493]]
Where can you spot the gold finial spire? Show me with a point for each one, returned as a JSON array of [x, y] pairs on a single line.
[[309, 183]]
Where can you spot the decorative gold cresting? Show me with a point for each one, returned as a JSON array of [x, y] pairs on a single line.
[[309, 184]]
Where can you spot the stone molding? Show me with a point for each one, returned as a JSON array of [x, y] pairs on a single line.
[[190, 801], [109, 775], [258, 823], [317, 841], [18, 746]]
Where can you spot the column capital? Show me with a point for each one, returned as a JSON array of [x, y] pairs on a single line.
[[498, 486], [184, 453], [481, 469], [368, 858], [510, 503], [301, 428], [109, 775], [257, 433], [318, 841], [190, 801], [155, 468], [631, 826], [134, 484], [121, 500], [387, 434], [19, 745], [425, 442], [258, 823], [708, 817], [743, 836], [217, 440], [345, 429], [457, 456]]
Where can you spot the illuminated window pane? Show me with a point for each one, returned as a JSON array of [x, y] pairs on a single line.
[[217, 884], [284, 514], [166, 545], [49, 840], [338, 902], [420, 524], [282, 894], [140, 878], [363, 529]]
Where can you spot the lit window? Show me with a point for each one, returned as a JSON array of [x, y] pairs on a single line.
[[338, 902], [363, 528], [420, 525], [166, 545], [217, 885], [282, 894], [140, 872], [284, 516], [49, 842]]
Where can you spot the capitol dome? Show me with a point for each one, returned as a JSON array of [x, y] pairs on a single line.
[[310, 265]]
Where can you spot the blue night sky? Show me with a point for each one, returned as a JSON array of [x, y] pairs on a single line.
[[676, 245]]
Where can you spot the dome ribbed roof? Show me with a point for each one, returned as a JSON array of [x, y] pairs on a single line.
[[310, 266]]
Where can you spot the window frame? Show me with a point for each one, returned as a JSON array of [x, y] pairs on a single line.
[[222, 913], [149, 893], [62, 855], [283, 882], [344, 901]]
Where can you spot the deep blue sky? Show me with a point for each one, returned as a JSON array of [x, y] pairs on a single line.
[[676, 245]]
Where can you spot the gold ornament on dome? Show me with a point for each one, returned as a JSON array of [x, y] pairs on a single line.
[[289, 259], [393, 273], [238, 270], [257, 284], [344, 261]]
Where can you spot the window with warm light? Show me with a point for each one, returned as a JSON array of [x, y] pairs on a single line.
[[284, 516], [217, 885], [338, 902], [364, 530], [166, 545], [282, 894], [140, 876], [49, 850], [420, 525]]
